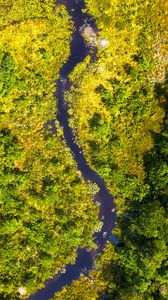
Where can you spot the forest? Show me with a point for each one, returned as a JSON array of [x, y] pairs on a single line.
[[43, 220], [119, 115], [118, 111]]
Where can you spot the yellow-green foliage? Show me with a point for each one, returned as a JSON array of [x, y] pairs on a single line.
[[92, 287], [83, 289], [46, 208], [115, 108], [13, 11], [120, 115], [31, 44]]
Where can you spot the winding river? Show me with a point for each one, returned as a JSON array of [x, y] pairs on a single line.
[[85, 260]]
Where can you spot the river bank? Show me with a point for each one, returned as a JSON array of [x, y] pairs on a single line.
[[85, 259]]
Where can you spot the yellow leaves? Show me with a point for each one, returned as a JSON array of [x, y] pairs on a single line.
[[123, 29], [20, 39], [84, 288], [79, 70], [45, 187], [6, 105], [27, 106]]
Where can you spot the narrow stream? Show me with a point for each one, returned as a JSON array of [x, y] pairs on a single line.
[[85, 260]]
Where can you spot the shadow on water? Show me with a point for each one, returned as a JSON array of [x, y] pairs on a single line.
[[85, 259]]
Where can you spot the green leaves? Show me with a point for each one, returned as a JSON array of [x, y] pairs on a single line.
[[7, 73], [119, 113], [46, 208]]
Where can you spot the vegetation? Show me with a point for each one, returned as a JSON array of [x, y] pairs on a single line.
[[46, 208], [118, 110]]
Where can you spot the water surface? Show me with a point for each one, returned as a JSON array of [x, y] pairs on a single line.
[[85, 260]]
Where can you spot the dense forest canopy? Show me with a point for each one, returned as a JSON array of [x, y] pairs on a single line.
[[118, 111], [43, 220], [118, 108]]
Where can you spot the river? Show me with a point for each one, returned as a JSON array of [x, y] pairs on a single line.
[[85, 260]]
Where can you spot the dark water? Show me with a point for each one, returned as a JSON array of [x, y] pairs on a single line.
[[85, 260]]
